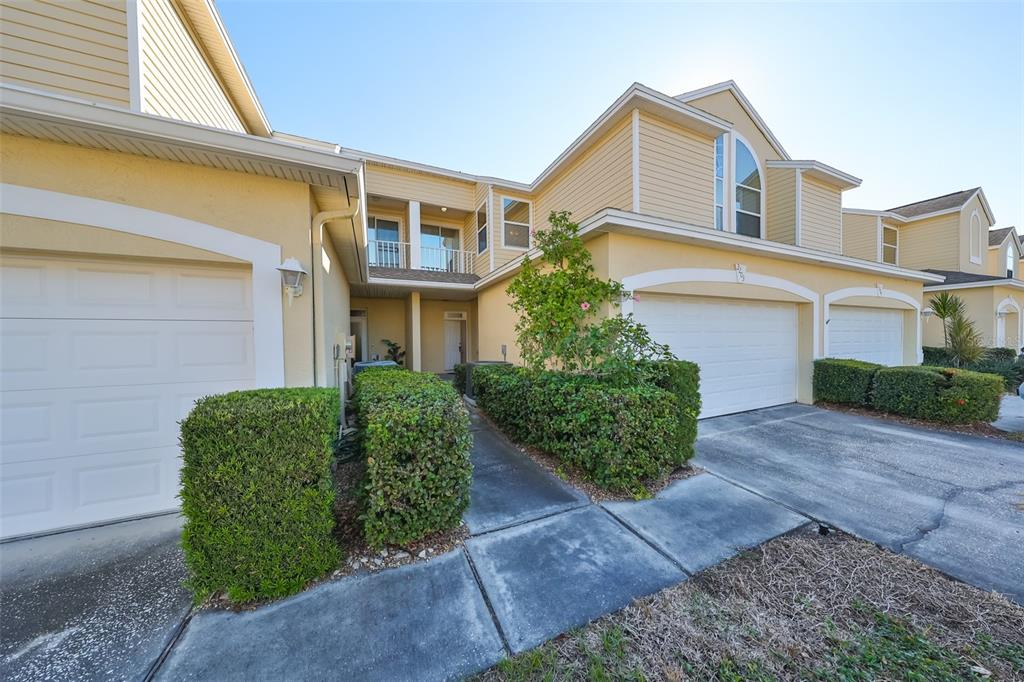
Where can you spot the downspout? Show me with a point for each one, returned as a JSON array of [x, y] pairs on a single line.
[[316, 240]]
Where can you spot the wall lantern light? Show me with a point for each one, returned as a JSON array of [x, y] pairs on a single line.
[[927, 312], [292, 273]]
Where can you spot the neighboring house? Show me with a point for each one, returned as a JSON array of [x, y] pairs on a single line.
[[147, 203], [951, 236]]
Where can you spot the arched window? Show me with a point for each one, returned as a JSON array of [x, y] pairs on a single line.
[[744, 192], [1011, 261], [975, 238]]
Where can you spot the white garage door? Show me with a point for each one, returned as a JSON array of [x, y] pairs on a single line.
[[746, 350], [100, 359], [870, 334]]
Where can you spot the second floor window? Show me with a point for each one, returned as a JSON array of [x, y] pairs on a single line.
[[481, 228], [745, 189], [890, 245], [1011, 262], [975, 238], [385, 250], [515, 221]]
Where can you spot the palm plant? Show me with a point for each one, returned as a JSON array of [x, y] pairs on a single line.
[[964, 341], [946, 307]]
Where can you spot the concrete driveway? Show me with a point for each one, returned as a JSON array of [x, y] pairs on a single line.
[[954, 502], [94, 604]]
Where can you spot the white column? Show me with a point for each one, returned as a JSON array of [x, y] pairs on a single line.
[[414, 235]]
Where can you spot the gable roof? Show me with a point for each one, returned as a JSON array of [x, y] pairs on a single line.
[[997, 237], [731, 86], [935, 204]]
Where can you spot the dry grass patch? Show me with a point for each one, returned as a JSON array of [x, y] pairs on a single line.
[[800, 607]]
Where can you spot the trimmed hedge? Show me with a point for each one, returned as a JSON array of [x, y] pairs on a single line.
[[936, 356], [682, 379], [618, 437], [1002, 361], [460, 378], [415, 435], [257, 491], [941, 394], [844, 381]]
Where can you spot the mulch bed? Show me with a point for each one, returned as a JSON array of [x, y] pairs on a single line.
[[576, 479], [783, 611], [983, 429]]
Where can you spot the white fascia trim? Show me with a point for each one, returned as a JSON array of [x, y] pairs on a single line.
[[887, 215], [878, 245], [420, 284], [879, 291], [827, 173], [134, 17], [635, 144], [1012, 283], [230, 47], [611, 220], [980, 193], [744, 102], [653, 278], [58, 109], [636, 95], [267, 321], [799, 182]]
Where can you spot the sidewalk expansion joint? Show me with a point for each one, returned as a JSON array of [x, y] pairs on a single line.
[[487, 602], [686, 574]]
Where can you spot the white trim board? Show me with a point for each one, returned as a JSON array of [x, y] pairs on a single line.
[[877, 292], [1014, 283], [1010, 302], [268, 319], [654, 278]]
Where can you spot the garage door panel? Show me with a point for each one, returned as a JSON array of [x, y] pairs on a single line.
[[99, 361], [44, 353], [113, 290], [51, 494], [746, 350], [869, 334], [60, 423]]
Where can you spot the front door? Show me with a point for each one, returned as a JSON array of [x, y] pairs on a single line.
[[452, 344]]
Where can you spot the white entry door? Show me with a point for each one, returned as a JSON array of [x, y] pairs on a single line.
[[100, 360], [452, 344], [746, 350], [869, 334]]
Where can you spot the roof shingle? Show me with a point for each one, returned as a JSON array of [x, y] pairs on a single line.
[[946, 201], [957, 277], [996, 237]]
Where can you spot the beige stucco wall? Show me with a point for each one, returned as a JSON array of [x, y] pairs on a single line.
[[72, 48], [385, 319], [336, 306], [860, 236], [432, 325], [273, 210], [982, 304]]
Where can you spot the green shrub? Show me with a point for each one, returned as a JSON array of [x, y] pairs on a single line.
[[844, 381], [618, 437], [1012, 371], [936, 356], [1000, 354], [415, 436], [257, 491], [460, 378], [682, 379], [941, 394]]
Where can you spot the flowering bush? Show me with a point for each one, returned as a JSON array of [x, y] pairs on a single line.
[[567, 314]]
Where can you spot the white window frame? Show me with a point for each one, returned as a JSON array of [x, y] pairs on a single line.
[[486, 226], [714, 171], [975, 237], [883, 245], [1011, 257], [729, 217], [529, 225]]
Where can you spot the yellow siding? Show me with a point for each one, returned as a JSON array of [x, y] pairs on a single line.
[[974, 205], [387, 181], [177, 81], [78, 49], [503, 255], [860, 236], [780, 205], [997, 261], [601, 178], [481, 261], [676, 172], [932, 243], [820, 219], [725, 105]]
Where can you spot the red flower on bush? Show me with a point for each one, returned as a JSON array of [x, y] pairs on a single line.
[[961, 402]]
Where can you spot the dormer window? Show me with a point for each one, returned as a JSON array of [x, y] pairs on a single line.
[[890, 245], [1011, 262], [735, 159]]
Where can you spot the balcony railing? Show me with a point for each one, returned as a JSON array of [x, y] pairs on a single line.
[[384, 254]]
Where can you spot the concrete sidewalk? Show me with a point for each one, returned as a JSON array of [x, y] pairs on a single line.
[[541, 560]]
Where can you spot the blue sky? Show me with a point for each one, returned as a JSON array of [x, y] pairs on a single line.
[[917, 99]]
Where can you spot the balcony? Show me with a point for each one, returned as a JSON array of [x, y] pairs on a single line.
[[394, 260]]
